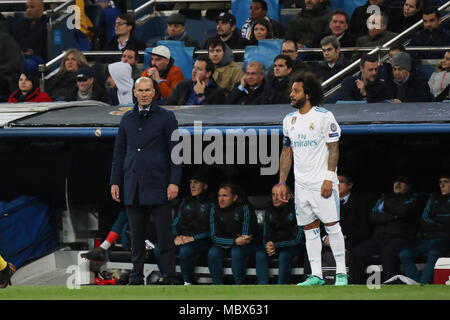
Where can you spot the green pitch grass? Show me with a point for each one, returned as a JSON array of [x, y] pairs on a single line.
[[227, 292]]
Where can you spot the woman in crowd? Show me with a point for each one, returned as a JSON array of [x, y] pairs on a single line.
[[440, 79], [262, 29], [65, 80], [29, 90]]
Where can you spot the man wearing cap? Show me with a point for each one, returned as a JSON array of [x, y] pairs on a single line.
[[394, 220], [406, 86], [228, 33], [176, 30], [163, 72], [87, 88]]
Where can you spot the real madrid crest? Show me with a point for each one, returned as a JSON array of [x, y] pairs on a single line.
[[293, 120], [311, 126]]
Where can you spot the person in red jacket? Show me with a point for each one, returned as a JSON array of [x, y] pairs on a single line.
[[163, 72], [29, 90]]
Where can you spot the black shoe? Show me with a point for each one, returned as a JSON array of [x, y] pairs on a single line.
[[96, 254], [6, 274], [169, 281]]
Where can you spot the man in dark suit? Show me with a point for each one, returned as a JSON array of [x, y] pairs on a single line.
[[142, 170]]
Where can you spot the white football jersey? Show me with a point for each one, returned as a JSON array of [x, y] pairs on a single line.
[[307, 135]]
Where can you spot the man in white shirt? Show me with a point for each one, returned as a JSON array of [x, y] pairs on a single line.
[[311, 137]]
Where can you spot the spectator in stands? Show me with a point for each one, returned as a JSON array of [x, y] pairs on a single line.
[[434, 236], [394, 219], [131, 56], [258, 10], [290, 48], [32, 35], [367, 85], [87, 88], [385, 70], [278, 88], [251, 86], [10, 65], [440, 80], [405, 17], [201, 89], [234, 232], [338, 27], [308, 23], [29, 90], [282, 236], [432, 34], [228, 33], [377, 33], [65, 80], [164, 73], [333, 59], [262, 29], [121, 82], [176, 30], [406, 86], [227, 72], [108, 20], [358, 21], [123, 30], [191, 225]]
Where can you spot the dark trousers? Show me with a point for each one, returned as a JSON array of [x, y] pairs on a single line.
[[390, 262], [137, 219]]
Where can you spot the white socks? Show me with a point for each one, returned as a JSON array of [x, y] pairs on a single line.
[[337, 244], [314, 250], [105, 245]]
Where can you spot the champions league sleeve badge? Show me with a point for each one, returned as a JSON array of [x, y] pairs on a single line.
[[333, 127]]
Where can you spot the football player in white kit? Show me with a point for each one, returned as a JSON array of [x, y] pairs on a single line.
[[311, 137]]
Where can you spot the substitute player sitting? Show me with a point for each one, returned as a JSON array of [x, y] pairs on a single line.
[[311, 137]]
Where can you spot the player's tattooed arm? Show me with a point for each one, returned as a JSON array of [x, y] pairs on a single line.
[[333, 157], [285, 163]]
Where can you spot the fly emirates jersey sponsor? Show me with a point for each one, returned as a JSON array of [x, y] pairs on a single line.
[[307, 135]]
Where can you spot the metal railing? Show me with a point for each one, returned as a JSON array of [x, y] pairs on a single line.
[[383, 47]]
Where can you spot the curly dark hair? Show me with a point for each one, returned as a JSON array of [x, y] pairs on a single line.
[[311, 86]]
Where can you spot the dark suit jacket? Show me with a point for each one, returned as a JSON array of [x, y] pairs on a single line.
[[355, 220], [142, 156], [180, 94]]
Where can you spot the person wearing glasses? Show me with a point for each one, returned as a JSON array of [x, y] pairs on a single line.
[[289, 48], [123, 37]]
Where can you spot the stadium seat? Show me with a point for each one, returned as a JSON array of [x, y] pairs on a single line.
[[264, 52], [425, 70], [241, 9], [347, 5]]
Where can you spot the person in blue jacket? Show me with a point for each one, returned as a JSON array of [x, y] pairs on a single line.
[[144, 177]]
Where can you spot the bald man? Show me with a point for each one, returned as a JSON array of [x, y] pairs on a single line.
[[144, 178], [32, 33]]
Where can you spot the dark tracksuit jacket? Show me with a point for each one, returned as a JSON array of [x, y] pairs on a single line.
[[396, 216], [435, 221], [227, 224], [193, 217], [376, 92], [280, 226]]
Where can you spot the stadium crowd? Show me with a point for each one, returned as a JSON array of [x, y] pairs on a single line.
[[401, 225]]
